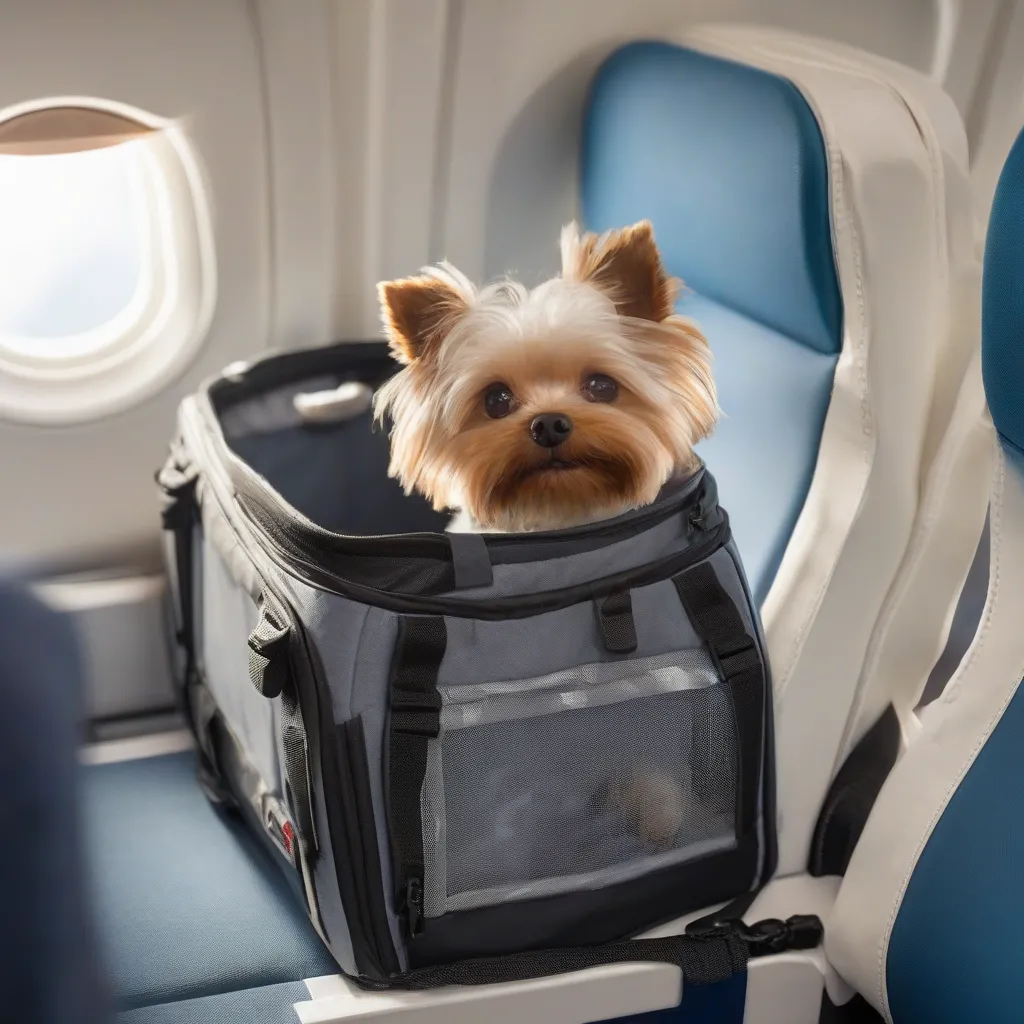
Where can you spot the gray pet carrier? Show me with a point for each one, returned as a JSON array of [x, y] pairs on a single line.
[[482, 757]]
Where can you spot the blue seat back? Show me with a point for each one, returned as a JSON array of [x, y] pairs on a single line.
[[956, 947], [728, 163]]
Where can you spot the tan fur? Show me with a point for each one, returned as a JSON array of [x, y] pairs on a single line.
[[626, 265], [417, 313], [610, 312]]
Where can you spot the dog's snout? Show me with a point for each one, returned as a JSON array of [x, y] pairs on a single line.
[[550, 429]]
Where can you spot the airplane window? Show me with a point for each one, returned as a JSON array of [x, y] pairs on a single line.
[[107, 276], [73, 231]]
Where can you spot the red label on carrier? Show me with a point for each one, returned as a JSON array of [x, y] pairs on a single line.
[[289, 836]]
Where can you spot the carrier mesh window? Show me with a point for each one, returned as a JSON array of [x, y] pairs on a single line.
[[578, 780]]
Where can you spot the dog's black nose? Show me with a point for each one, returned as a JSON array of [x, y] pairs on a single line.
[[551, 429]]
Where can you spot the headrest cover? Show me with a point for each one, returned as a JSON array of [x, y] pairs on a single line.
[[1002, 303], [728, 163]]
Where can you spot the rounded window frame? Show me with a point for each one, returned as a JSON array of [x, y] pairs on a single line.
[[147, 345]]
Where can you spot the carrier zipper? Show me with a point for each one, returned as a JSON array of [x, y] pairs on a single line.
[[293, 561], [414, 906], [698, 519]]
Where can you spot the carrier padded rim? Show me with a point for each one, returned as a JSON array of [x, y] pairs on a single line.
[[428, 560]]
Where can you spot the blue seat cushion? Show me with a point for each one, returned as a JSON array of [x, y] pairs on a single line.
[[729, 165], [268, 1004], [189, 903], [774, 393]]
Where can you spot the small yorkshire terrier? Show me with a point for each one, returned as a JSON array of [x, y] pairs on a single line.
[[548, 408]]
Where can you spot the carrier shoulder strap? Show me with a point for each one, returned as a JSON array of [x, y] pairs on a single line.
[[177, 480], [720, 625], [415, 720]]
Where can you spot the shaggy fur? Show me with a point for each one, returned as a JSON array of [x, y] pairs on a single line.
[[609, 312]]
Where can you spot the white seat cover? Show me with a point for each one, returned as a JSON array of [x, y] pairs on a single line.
[[870, 543]]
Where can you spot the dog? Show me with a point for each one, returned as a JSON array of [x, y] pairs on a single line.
[[544, 409]]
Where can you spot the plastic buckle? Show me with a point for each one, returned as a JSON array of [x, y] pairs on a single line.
[[802, 931], [741, 658], [417, 712]]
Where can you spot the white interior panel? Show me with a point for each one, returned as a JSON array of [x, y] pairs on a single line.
[[85, 493], [522, 69], [345, 141]]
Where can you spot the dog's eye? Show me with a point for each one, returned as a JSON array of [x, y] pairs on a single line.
[[498, 401], [600, 388]]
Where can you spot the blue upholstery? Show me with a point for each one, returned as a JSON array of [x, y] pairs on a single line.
[[190, 905], [956, 948], [1002, 353], [729, 165], [269, 1004], [765, 446]]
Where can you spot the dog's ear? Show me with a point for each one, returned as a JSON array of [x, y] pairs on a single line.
[[624, 264], [418, 313]]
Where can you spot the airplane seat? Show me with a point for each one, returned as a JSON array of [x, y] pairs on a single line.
[[730, 166], [192, 910], [804, 211], [815, 201], [927, 922]]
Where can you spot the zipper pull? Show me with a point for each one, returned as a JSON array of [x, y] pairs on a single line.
[[414, 905], [697, 519]]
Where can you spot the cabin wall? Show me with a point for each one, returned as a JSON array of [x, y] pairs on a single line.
[[343, 141]]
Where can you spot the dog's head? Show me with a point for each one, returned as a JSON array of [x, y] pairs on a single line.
[[542, 409]]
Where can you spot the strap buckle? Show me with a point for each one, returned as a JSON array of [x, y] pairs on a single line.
[[416, 711], [800, 932], [736, 658]]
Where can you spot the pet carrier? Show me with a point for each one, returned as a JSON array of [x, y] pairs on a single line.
[[484, 757]]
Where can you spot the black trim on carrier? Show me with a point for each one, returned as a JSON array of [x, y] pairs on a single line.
[[415, 720], [610, 914], [302, 565], [413, 564], [375, 952]]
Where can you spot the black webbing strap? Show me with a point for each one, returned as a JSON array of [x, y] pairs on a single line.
[[618, 630], [705, 957], [471, 561], [177, 480], [718, 622], [415, 720]]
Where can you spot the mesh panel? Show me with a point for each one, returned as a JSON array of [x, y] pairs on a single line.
[[578, 780]]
